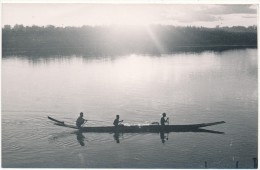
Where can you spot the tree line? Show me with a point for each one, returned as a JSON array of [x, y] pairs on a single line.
[[106, 40]]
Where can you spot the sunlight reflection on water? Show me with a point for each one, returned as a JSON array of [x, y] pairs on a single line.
[[189, 87]]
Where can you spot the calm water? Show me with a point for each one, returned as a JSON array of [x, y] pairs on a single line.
[[189, 87]]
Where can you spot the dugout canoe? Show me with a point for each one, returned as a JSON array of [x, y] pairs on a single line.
[[143, 128]]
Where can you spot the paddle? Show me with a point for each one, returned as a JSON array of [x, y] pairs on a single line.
[[84, 121], [120, 123]]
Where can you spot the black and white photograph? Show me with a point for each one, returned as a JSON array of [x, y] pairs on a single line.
[[121, 84]]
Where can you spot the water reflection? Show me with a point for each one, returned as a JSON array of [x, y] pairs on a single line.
[[80, 137], [48, 55], [163, 136], [116, 137]]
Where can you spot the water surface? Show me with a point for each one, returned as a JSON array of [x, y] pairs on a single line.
[[190, 87]]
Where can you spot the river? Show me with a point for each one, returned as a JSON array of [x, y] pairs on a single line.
[[191, 87]]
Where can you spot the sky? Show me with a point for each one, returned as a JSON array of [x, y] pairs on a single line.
[[79, 14]]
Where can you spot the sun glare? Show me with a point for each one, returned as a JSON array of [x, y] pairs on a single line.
[[155, 39]]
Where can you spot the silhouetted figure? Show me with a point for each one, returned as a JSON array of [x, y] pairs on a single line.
[[80, 120], [80, 138], [117, 121], [163, 121]]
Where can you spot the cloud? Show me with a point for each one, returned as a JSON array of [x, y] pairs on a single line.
[[209, 13], [128, 14], [231, 9], [195, 18]]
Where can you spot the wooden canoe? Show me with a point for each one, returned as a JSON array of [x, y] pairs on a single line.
[[144, 128]]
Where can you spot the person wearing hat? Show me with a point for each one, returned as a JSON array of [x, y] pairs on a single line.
[[80, 120], [117, 121], [163, 119]]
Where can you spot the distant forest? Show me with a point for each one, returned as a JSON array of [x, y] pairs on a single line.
[[118, 40]]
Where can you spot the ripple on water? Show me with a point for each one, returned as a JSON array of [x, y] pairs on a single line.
[[24, 131]]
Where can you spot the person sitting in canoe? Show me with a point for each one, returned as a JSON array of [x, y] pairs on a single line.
[[117, 121], [163, 120], [80, 120]]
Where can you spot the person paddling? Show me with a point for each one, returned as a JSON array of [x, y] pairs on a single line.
[[117, 121], [163, 120], [80, 120]]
